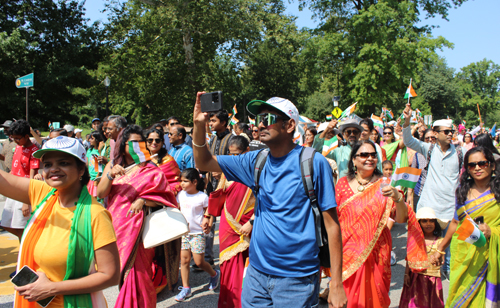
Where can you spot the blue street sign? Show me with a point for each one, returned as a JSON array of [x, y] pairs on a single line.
[[25, 81]]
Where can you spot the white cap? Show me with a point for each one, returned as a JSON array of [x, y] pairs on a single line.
[[64, 144], [281, 104], [428, 213], [446, 123], [69, 128], [77, 130]]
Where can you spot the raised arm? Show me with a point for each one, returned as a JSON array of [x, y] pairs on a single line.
[[410, 141], [14, 187], [202, 156]]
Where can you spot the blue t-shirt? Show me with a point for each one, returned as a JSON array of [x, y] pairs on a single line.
[[283, 239]]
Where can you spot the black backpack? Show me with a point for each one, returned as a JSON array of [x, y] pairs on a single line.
[[306, 170], [460, 155]]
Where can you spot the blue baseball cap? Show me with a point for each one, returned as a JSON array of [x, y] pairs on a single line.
[[96, 119]]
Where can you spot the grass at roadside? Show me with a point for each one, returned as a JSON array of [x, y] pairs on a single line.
[[85, 131]]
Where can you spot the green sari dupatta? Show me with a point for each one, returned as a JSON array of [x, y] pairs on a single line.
[[80, 249]]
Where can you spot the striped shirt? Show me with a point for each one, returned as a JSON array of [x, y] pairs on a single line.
[[183, 155]]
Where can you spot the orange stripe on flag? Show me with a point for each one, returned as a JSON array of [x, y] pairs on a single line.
[[409, 170], [465, 230]]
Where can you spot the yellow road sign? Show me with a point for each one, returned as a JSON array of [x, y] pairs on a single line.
[[337, 112]]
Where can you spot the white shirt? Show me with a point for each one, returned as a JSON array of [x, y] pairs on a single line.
[[192, 208]]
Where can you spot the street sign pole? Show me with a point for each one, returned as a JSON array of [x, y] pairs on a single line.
[[26, 82], [27, 89]]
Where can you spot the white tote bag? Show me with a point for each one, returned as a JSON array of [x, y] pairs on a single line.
[[163, 226]]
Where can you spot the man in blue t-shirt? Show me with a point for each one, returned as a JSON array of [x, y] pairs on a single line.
[[284, 262]]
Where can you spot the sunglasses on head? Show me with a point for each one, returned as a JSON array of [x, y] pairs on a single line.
[[150, 140], [349, 132], [269, 119], [447, 131], [365, 155], [482, 164]]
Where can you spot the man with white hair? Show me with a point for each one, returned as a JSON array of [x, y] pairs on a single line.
[[444, 163], [70, 129]]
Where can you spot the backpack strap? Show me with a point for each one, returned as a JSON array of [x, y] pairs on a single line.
[[460, 155], [307, 172], [223, 148], [429, 156], [260, 161]]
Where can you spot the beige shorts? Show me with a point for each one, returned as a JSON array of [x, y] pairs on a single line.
[[12, 215]]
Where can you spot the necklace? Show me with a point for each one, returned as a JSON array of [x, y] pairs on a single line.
[[362, 186], [432, 245]]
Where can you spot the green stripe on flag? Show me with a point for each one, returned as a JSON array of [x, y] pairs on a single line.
[[404, 183]]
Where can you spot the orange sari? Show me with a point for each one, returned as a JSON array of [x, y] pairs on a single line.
[[367, 244]]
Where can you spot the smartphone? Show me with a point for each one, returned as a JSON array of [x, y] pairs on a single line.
[[479, 220], [211, 101], [26, 276]]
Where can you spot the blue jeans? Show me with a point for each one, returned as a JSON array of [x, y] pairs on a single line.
[[447, 257], [263, 290]]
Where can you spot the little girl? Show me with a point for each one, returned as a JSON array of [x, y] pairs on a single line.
[[424, 289], [94, 140], [193, 203]]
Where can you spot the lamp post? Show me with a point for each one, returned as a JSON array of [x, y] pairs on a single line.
[[107, 82]]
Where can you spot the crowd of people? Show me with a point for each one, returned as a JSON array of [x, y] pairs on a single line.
[[79, 204]]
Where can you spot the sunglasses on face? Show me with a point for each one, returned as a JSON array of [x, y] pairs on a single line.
[[365, 155], [269, 119], [255, 131], [387, 133], [174, 123], [150, 140], [447, 131], [482, 164], [349, 132], [427, 138]]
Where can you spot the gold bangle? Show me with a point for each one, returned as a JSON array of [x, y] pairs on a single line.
[[441, 252], [400, 198], [199, 146]]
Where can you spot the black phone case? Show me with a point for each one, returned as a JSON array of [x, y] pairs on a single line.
[[26, 276], [211, 101]]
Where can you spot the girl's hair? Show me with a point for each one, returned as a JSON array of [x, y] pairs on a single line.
[[163, 152], [466, 181], [240, 142], [437, 228], [470, 135], [426, 131], [392, 132], [378, 135], [387, 162], [97, 136], [192, 174], [350, 173], [368, 122], [125, 135], [86, 176], [312, 130], [484, 140]]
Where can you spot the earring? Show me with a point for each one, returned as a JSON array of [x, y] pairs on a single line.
[[355, 170], [80, 178]]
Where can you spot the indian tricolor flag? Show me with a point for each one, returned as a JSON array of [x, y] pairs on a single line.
[[247, 263], [233, 120], [138, 151], [470, 233], [387, 113], [251, 121], [406, 177], [378, 123], [349, 110], [410, 92], [329, 117], [330, 145], [97, 166], [235, 111]]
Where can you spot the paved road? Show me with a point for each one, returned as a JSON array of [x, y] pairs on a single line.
[[202, 297]]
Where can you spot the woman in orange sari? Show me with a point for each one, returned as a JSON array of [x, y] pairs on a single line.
[[365, 205]]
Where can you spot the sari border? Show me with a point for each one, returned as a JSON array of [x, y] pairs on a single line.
[[467, 294]]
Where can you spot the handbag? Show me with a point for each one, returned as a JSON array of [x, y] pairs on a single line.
[[163, 226]]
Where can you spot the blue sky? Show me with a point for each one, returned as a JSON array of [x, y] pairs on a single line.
[[473, 28]]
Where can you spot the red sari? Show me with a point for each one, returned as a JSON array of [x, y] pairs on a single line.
[[367, 244], [172, 172], [235, 212]]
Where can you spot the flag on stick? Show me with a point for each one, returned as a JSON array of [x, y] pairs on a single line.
[[233, 120], [418, 112], [330, 145], [234, 110], [410, 92], [251, 121], [378, 123], [349, 110], [406, 177], [470, 233], [328, 117], [139, 151], [387, 113], [98, 167]]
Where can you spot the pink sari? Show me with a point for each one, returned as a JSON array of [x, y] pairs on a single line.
[[235, 212], [138, 267]]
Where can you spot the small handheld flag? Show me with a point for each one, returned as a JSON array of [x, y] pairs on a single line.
[[348, 111], [470, 233], [97, 166], [410, 92], [234, 110], [378, 123], [329, 117], [330, 145], [139, 151], [406, 177], [251, 121], [387, 113], [233, 120], [419, 113]]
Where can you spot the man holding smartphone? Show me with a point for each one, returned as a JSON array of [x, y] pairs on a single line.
[[284, 262]]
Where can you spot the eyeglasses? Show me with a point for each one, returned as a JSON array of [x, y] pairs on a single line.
[[349, 132], [387, 133], [447, 131], [269, 119], [174, 123], [150, 140], [365, 155], [255, 130], [482, 164], [432, 138], [170, 134]]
